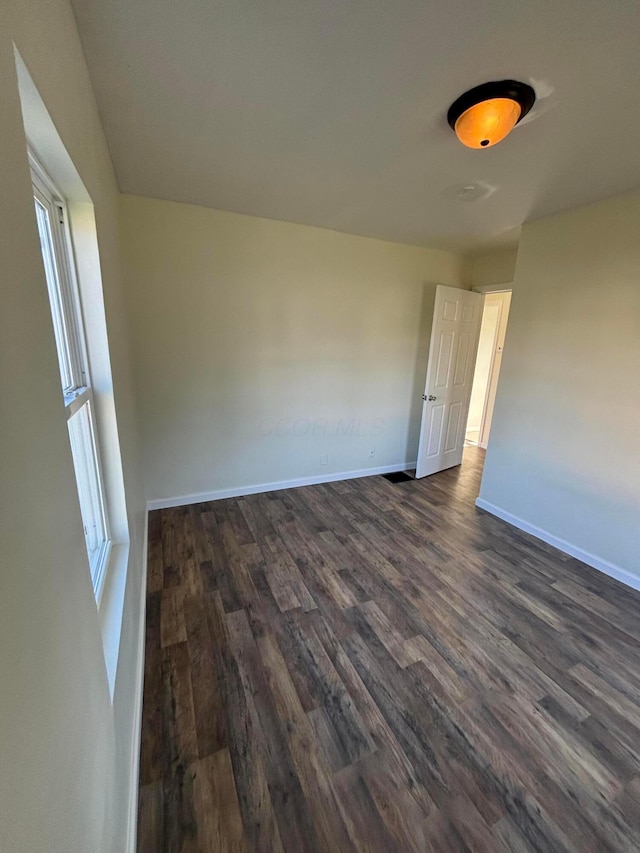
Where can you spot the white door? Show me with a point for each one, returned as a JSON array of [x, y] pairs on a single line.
[[457, 316]]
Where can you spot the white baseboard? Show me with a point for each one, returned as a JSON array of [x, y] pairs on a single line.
[[134, 777], [241, 491], [598, 563]]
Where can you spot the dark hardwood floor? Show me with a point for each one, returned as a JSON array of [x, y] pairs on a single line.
[[368, 666]]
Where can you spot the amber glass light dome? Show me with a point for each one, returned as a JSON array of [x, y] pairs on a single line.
[[488, 122], [483, 116]]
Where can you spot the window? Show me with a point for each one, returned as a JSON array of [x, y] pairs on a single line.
[[52, 220]]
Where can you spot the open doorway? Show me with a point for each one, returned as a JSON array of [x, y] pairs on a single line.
[[493, 329]]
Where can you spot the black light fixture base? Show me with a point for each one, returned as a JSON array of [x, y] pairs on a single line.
[[521, 93]]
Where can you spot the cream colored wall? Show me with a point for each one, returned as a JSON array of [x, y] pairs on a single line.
[[65, 751], [564, 454], [263, 346], [494, 268]]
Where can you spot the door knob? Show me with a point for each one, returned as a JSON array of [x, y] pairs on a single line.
[[430, 397]]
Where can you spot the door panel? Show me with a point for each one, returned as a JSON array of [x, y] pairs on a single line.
[[450, 309], [467, 313], [435, 430], [453, 428], [444, 360], [452, 352], [462, 359]]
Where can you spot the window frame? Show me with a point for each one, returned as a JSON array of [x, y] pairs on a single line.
[[70, 331]]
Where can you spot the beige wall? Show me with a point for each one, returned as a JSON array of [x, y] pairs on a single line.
[[65, 751], [494, 268], [262, 347], [564, 454]]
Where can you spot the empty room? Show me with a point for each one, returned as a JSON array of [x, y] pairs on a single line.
[[320, 435]]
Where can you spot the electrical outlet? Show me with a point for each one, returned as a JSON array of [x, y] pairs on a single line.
[[324, 459]]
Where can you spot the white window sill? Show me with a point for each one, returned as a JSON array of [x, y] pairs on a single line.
[[111, 609]]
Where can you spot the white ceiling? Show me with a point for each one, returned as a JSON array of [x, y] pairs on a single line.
[[333, 112]]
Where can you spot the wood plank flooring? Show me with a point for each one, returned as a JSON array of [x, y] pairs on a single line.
[[367, 666]]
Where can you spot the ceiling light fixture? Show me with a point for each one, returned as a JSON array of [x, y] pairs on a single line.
[[484, 115]]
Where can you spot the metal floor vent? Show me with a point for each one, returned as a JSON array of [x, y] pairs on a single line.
[[398, 477]]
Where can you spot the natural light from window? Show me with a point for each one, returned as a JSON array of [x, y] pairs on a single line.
[[57, 255]]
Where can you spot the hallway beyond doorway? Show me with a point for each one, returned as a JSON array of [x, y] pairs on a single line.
[[495, 316]]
